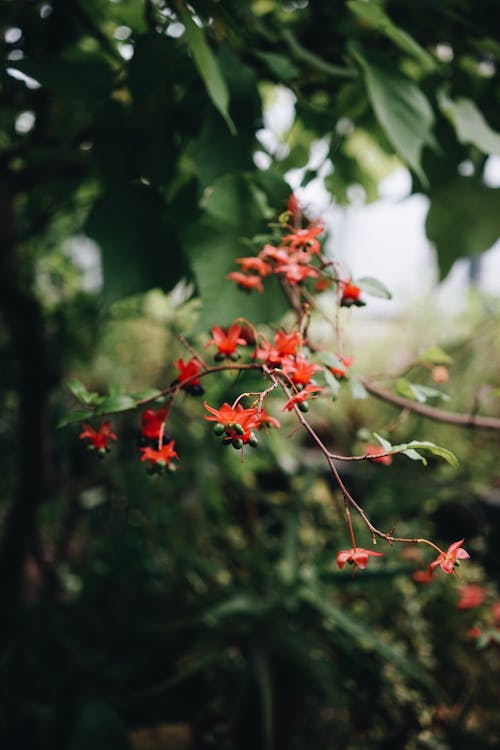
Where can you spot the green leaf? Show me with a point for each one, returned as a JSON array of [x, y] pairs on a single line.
[[362, 635], [149, 393], [81, 393], [417, 392], [207, 64], [232, 210], [411, 450], [113, 404], [401, 108], [332, 383], [374, 15], [279, 65], [75, 416], [374, 287], [358, 390], [469, 123], [435, 356], [463, 220]]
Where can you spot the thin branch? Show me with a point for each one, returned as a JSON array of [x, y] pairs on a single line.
[[431, 412]]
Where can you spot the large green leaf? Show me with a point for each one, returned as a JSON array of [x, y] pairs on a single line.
[[139, 250], [235, 207], [207, 65], [401, 108], [469, 124], [374, 15], [463, 220]]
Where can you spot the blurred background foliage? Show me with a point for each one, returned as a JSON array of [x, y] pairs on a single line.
[[204, 609]]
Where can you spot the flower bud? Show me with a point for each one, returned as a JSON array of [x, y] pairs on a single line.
[[239, 430], [253, 442], [218, 429], [237, 443]]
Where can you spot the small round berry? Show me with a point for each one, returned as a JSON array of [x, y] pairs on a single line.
[[253, 442], [219, 357], [195, 390], [239, 430], [303, 406], [218, 429], [235, 356], [237, 443]]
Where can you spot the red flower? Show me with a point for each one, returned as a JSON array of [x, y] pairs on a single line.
[[299, 369], [246, 282], [295, 273], [188, 370], [322, 284], [266, 419], [254, 263], [287, 343], [447, 560], [278, 254], [226, 341], [340, 372], [299, 398], [161, 457], [376, 454], [471, 596], [152, 422], [350, 294], [356, 556], [98, 439], [304, 239], [236, 424], [422, 576]]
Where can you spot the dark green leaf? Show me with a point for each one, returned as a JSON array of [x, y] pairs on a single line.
[[75, 416], [81, 393], [402, 110], [469, 124], [207, 64], [463, 220], [113, 404]]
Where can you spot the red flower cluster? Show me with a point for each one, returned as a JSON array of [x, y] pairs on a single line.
[[376, 454], [160, 459], [227, 341], [188, 372], [98, 439], [238, 424], [350, 295], [356, 556], [291, 259]]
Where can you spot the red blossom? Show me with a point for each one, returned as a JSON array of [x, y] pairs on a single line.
[[304, 239], [238, 423], [188, 370], [266, 419], [356, 556], [246, 282], [161, 457], [294, 273], [308, 392], [471, 596], [350, 294], [278, 254], [422, 576], [98, 439], [447, 560], [340, 371], [254, 263], [226, 341], [287, 343], [152, 422], [299, 369], [376, 454], [322, 284]]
